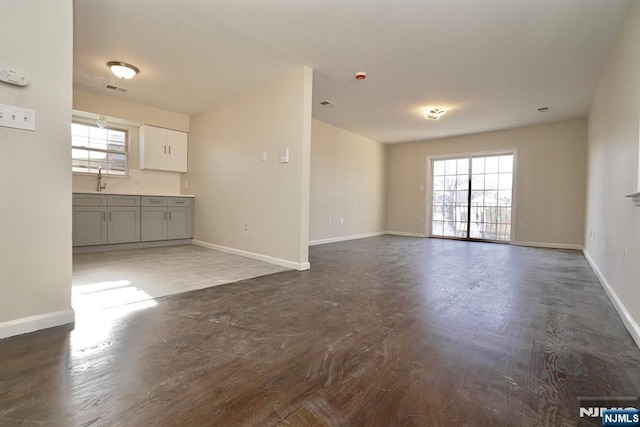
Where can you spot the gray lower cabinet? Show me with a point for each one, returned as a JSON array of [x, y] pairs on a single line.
[[180, 223], [180, 210], [124, 224], [100, 219], [154, 223], [89, 225], [166, 218]]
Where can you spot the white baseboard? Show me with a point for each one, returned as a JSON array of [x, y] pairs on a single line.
[[548, 245], [345, 238], [405, 234], [631, 325], [25, 325], [260, 257]]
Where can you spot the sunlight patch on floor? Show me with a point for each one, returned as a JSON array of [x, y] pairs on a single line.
[[101, 295]]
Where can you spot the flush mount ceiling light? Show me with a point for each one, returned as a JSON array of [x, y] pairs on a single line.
[[122, 69], [434, 113]]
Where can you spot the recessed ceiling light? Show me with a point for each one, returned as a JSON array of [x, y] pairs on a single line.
[[122, 69], [434, 113]]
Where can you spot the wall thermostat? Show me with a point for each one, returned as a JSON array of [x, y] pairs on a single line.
[[11, 76]]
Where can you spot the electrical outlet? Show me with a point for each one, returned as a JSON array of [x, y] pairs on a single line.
[[245, 227]]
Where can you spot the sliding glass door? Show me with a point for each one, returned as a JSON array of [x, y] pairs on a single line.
[[472, 197]]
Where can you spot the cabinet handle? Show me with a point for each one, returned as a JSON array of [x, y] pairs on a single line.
[[165, 149], [104, 216], [169, 149], [109, 216], [169, 215], [165, 215]]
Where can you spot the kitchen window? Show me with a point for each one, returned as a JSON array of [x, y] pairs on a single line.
[[93, 148]]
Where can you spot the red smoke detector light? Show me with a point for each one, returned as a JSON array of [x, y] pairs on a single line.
[[361, 75]]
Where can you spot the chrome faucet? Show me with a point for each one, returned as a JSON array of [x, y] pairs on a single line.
[[101, 186]]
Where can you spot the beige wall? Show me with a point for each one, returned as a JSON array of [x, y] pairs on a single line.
[[35, 213], [114, 107], [347, 182], [612, 222], [550, 180], [130, 116], [233, 186]]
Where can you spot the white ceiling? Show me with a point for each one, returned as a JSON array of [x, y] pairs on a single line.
[[491, 62]]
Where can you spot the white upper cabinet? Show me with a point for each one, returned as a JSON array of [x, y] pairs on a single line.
[[177, 151], [163, 149]]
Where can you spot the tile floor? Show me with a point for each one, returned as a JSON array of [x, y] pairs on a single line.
[[115, 278]]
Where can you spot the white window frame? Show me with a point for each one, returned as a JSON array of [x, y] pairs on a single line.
[[126, 129]]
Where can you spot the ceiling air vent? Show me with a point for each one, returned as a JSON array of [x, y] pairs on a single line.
[[543, 109], [116, 88], [327, 102]]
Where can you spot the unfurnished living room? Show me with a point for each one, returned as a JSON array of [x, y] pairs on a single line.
[[320, 213]]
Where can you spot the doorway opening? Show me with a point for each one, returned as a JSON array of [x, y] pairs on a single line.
[[472, 197]]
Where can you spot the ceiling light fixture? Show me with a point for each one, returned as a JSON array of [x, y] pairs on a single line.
[[101, 122], [434, 113], [122, 69]]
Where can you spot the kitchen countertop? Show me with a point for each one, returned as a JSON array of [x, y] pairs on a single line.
[[106, 193]]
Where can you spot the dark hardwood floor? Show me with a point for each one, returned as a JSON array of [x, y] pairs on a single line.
[[386, 331]]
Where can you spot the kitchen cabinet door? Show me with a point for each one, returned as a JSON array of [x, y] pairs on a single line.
[[89, 225], [153, 148], [154, 223], [177, 151], [180, 222], [124, 224]]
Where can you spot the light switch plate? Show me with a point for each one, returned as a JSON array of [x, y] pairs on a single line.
[[284, 155], [17, 117]]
